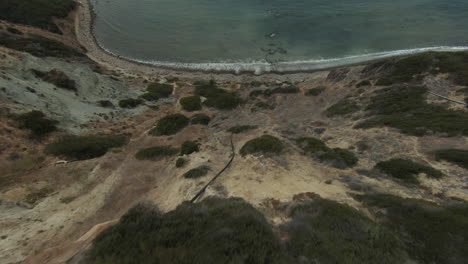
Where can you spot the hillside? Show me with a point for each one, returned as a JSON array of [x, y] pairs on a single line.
[[328, 165]]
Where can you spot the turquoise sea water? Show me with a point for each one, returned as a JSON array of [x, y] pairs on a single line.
[[275, 34]]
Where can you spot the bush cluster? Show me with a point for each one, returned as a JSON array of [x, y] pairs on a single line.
[[343, 107], [216, 97], [241, 129], [57, 78], [455, 156], [156, 91], [191, 103], [200, 119], [37, 13], [36, 122], [170, 125], [265, 144], [405, 108], [180, 162], [337, 157], [154, 153], [130, 102], [85, 147], [196, 172], [291, 89], [189, 147], [316, 91], [105, 103], [407, 170]]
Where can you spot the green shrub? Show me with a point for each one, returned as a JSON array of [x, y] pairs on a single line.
[[343, 107], [200, 119], [39, 46], [155, 153], [262, 105], [156, 91], [57, 78], [265, 144], [130, 103], [312, 145], [406, 170], [405, 108], [432, 233], [36, 122], [180, 162], [38, 13], [170, 125], [324, 231], [316, 91], [455, 156], [105, 103], [279, 90], [189, 147], [196, 172], [85, 147], [191, 103], [217, 98], [212, 231], [340, 158], [241, 129]]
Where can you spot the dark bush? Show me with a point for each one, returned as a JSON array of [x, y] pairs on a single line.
[[407, 170], [105, 103], [189, 147], [265, 144], [191, 103], [197, 172], [455, 156], [85, 147], [15, 31], [212, 231], [156, 91], [241, 129], [339, 158], [39, 46], [405, 108], [279, 90], [155, 153], [200, 119], [130, 103], [431, 233], [312, 145], [324, 231], [217, 98], [180, 162], [36, 122], [170, 125], [262, 106], [57, 78], [38, 13], [343, 107], [315, 91]]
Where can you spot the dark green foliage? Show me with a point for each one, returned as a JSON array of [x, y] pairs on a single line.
[[155, 153], [404, 107], [180, 162], [130, 103], [364, 83], [343, 107], [170, 125], [256, 93], [156, 91], [463, 91], [105, 103], [340, 158], [262, 105], [315, 91], [85, 147], [39, 46], [196, 172], [255, 83], [431, 233], [189, 147], [212, 231], [279, 90], [217, 98], [200, 119], [57, 78], [265, 144], [241, 129], [324, 231], [36, 122], [413, 68], [455, 156], [38, 13], [407, 170], [337, 157], [191, 103]]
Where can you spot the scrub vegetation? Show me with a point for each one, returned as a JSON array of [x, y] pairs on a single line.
[[196, 172], [36, 122], [455, 156], [343, 107], [156, 91], [200, 119], [241, 129], [337, 157], [216, 97], [154, 153], [265, 144], [191, 103], [315, 91], [170, 125], [407, 170]]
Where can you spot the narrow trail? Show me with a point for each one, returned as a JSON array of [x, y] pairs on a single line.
[[202, 190], [451, 100]]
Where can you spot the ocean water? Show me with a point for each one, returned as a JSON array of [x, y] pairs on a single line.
[[282, 35]]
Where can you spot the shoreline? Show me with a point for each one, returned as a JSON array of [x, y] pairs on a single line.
[[84, 22]]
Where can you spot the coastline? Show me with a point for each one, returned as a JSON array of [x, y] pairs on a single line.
[[84, 22]]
